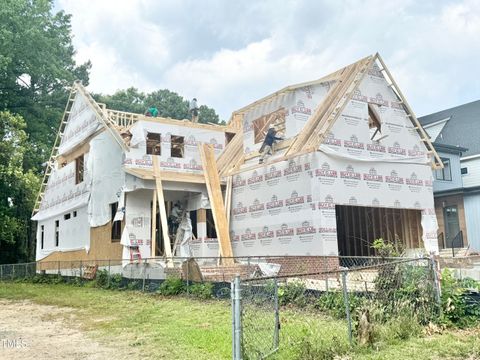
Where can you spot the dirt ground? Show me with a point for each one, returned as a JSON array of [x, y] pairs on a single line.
[[33, 331]]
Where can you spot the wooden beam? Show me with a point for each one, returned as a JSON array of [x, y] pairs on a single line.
[[154, 224], [228, 199], [163, 212], [148, 174], [212, 180]]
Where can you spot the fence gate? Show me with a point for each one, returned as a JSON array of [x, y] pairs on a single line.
[[256, 300]]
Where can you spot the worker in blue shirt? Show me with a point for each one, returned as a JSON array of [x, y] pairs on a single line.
[[267, 146]]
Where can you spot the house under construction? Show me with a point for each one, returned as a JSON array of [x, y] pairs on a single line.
[[354, 165]]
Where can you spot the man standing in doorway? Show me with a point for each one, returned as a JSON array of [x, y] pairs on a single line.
[[194, 110]]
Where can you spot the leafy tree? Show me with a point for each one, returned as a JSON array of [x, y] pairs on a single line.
[[168, 103], [18, 188], [36, 67]]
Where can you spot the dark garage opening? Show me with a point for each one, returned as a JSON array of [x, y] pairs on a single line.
[[359, 226]]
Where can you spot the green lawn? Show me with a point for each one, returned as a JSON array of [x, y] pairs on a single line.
[[181, 328]]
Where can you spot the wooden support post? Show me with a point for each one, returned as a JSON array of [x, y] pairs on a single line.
[[212, 181], [154, 224], [163, 212], [228, 199]]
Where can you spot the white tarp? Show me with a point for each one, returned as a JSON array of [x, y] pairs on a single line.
[[82, 122]]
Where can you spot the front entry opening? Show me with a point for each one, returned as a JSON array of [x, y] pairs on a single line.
[[359, 226]]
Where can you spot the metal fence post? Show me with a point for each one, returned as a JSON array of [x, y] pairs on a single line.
[[1, 272], [13, 271], [188, 278], [26, 270], [347, 306], [108, 277], [81, 269], [232, 297], [436, 283], [325, 266], [59, 267], [276, 335], [144, 273], [238, 319]]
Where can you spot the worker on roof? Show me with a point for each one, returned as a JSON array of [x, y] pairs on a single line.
[[267, 145], [193, 108], [152, 112]]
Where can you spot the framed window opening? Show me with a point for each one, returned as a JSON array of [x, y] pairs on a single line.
[[79, 169], [211, 231], [374, 123], [57, 232], [154, 144], [177, 143], [42, 236], [116, 230]]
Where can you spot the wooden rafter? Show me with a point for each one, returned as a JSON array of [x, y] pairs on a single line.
[[437, 162]]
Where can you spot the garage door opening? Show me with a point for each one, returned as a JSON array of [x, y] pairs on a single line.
[[359, 226]]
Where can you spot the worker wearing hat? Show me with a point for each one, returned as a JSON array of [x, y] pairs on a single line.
[[267, 146]]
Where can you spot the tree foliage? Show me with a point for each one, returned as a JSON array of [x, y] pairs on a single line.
[[169, 104], [18, 189]]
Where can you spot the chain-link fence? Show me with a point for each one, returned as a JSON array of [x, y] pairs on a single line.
[[292, 316]]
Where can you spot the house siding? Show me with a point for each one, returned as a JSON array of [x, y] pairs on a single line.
[[456, 182], [472, 215], [472, 178]]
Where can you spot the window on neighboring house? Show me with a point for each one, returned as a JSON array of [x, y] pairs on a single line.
[[116, 234], [75, 213], [154, 144], [66, 216], [464, 170], [445, 173], [177, 146], [79, 169], [374, 122], [211, 232], [57, 232], [42, 236]]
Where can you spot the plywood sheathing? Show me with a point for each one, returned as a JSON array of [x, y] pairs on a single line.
[[162, 210], [212, 181]]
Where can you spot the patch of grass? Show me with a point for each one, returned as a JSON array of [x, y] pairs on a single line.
[[185, 328]]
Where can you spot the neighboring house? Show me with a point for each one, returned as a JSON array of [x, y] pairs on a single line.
[[354, 166], [455, 134]]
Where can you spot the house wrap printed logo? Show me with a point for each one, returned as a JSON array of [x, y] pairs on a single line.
[[396, 105], [306, 228], [376, 147], [331, 140], [375, 202], [413, 180], [378, 99], [266, 233], [238, 181], [255, 178], [300, 108], [397, 204], [249, 235], [415, 151], [170, 163], [357, 95], [191, 141], [352, 201], [373, 176], [375, 71], [308, 90], [273, 173], [325, 171], [294, 199], [215, 144], [192, 165], [274, 203], [353, 143], [234, 237], [239, 209], [293, 168], [327, 204], [396, 149], [394, 178], [257, 206], [350, 173], [284, 231]]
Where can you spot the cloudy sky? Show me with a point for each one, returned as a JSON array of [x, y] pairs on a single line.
[[229, 53]]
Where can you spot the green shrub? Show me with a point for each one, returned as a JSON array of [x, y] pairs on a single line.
[[133, 285], [292, 293], [202, 291], [172, 286], [101, 279], [115, 281]]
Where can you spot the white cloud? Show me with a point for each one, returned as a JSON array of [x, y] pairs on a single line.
[[228, 54]]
